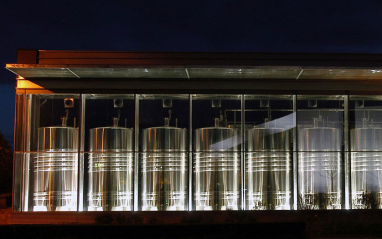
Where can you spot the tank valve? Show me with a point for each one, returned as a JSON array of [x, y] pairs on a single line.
[[166, 122], [115, 122], [217, 122], [116, 119], [64, 119], [167, 119]]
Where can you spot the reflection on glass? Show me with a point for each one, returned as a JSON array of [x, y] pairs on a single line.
[[56, 169], [216, 151], [111, 168], [268, 158], [319, 166], [217, 168], [366, 167], [110, 144], [52, 184], [268, 166], [366, 155], [164, 169], [17, 183], [164, 152]]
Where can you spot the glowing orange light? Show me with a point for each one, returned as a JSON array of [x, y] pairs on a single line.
[[26, 84]]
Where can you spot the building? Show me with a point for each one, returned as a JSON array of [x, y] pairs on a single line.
[[124, 131]]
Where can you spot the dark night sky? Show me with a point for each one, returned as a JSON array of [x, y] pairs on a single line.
[[244, 26]]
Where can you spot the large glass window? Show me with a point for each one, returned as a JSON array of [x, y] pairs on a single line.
[[269, 121], [163, 123], [216, 121], [125, 152], [109, 146], [320, 129], [366, 152], [51, 153]]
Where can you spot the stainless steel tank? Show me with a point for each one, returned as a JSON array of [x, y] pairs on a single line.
[[111, 169], [319, 168], [366, 167], [164, 169], [56, 169], [268, 169], [217, 169]]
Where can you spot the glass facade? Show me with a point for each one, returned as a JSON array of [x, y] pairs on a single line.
[[366, 157], [216, 151], [108, 152], [50, 163], [163, 152], [269, 121], [320, 132], [197, 152]]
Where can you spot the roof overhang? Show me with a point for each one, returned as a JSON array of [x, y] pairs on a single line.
[[30, 71], [42, 64]]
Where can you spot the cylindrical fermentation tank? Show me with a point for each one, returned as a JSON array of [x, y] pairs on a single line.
[[268, 169], [217, 169], [366, 167], [56, 169], [111, 169], [319, 168], [164, 169]]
